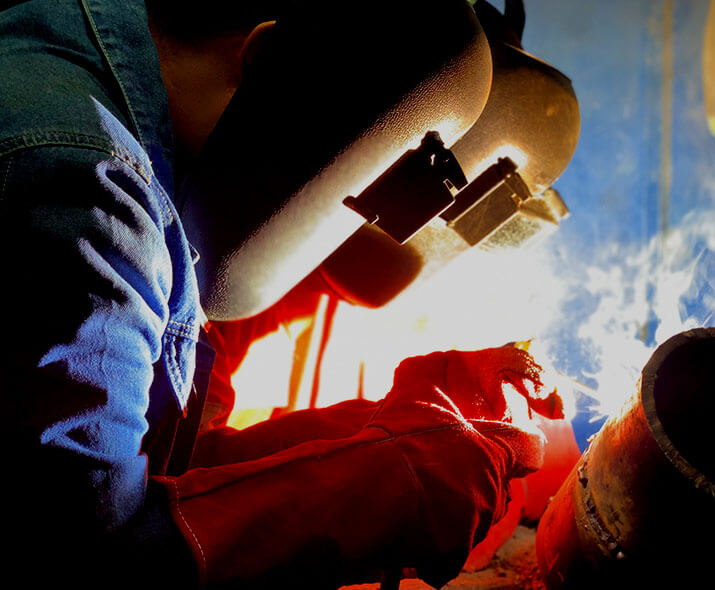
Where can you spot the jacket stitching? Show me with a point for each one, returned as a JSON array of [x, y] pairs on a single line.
[[6, 176], [84, 141], [165, 198], [113, 69], [181, 329], [76, 140], [177, 331], [186, 325]]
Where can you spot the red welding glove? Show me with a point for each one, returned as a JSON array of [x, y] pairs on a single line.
[[472, 439], [416, 487], [220, 446]]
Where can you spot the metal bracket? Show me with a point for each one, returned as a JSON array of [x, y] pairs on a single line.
[[413, 191], [489, 201], [427, 182]]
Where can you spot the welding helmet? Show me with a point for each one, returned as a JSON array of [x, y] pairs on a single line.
[[521, 143], [333, 97]]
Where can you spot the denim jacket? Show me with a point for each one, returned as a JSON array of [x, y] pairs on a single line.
[[100, 296]]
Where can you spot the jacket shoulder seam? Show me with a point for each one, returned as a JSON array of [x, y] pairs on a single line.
[[112, 68]]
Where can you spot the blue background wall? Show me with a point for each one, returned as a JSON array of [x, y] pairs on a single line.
[[638, 247]]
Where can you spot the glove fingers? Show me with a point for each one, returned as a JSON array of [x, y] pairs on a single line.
[[551, 406], [525, 445], [476, 379], [541, 399]]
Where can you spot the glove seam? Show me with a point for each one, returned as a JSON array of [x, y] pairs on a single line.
[[499, 425], [203, 565], [505, 426], [422, 504], [417, 484], [326, 454]]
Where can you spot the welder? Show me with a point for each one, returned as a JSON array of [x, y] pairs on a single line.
[[126, 128]]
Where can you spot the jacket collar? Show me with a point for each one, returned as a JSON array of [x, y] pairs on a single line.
[[121, 30]]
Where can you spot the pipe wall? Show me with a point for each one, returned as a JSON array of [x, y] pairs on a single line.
[[639, 506]]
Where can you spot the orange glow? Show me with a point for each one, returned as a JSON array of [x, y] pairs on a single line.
[[483, 299], [277, 369], [265, 372], [263, 379]]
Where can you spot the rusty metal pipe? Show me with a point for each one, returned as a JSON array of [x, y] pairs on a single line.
[[638, 509]]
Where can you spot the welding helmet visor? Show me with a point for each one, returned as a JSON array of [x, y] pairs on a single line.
[[332, 99], [519, 146]]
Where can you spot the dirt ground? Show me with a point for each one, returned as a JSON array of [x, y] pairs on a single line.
[[512, 568]]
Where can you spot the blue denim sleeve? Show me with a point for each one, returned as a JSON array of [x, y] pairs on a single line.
[[85, 296]]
